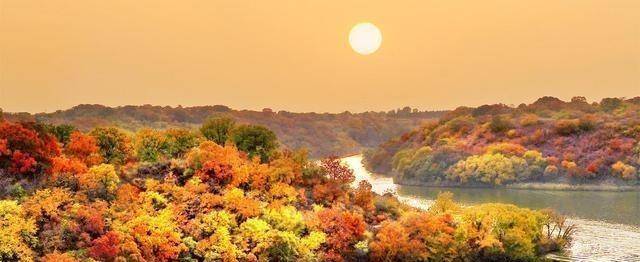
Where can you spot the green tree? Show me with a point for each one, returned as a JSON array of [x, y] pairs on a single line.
[[62, 132], [610, 104], [217, 129], [180, 141], [150, 145], [255, 140], [115, 145]]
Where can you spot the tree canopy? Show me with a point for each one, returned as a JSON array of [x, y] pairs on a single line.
[[161, 195]]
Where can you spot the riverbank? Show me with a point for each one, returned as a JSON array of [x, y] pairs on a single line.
[[608, 222], [528, 186], [569, 187]]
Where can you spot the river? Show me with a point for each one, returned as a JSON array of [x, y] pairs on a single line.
[[608, 223]]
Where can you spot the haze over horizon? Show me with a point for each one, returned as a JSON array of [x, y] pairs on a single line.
[[320, 112], [295, 55]]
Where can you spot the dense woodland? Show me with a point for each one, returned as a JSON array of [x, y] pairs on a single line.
[[228, 192], [322, 134], [548, 141]]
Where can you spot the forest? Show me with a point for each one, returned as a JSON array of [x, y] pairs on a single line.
[[323, 134], [229, 192], [548, 141]]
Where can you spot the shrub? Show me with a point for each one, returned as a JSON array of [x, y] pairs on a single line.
[[529, 120], [587, 123], [512, 231], [567, 127], [500, 124], [625, 171], [494, 169]]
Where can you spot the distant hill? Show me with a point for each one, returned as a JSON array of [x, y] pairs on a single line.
[[550, 141], [322, 134]]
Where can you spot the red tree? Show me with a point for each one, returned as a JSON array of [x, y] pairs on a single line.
[[344, 229], [105, 248], [83, 147], [335, 170], [26, 148]]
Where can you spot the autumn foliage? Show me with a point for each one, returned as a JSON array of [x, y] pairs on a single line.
[[548, 141], [26, 148], [112, 196]]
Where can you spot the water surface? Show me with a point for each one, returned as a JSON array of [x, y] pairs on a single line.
[[614, 207], [608, 222]]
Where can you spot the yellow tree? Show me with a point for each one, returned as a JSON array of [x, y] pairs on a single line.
[[17, 233]]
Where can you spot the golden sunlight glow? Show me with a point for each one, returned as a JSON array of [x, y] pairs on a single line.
[[365, 38]]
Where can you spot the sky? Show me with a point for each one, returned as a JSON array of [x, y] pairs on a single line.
[[294, 54]]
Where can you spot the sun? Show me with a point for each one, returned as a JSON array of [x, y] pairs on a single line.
[[365, 38]]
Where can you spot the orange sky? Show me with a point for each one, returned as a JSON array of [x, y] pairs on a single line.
[[294, 55]]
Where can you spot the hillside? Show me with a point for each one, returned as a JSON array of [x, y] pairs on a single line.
[[164, 196], [322, 134], [548, 141]]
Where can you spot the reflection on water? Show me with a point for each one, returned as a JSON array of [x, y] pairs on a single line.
[[615, 207], [608, 222]]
